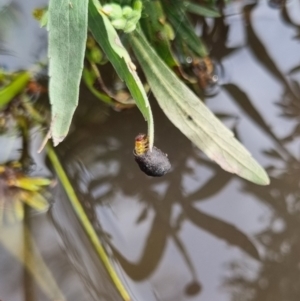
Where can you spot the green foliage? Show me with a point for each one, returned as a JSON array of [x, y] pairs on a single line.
[[201, 10], [67, 24], [159, 32], [20, 189], [12, 89], [176, 15], [124, 18], [193, 118], [89, 78], [41, 15], [108, 39]]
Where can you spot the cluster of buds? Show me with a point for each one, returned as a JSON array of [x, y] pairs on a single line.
[[124, 18]]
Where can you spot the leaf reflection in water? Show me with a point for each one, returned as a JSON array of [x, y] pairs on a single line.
[[143, 220], [119, 199]]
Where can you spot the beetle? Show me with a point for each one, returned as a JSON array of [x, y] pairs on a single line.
[[153, 163]]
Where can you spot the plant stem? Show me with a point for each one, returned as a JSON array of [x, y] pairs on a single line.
[[86, 222]]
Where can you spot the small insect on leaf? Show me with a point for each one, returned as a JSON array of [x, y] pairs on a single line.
[[153, 163]]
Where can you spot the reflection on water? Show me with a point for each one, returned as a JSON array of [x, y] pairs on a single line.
[[22, 42], [198, 233]]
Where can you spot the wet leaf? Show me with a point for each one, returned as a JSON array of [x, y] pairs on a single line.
[[193, 118], [105, 34], [67, 26], [14, 88]]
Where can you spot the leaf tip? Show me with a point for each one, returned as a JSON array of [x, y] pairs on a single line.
[[44, 142], [264, 179], [261, 178], [57, 140]]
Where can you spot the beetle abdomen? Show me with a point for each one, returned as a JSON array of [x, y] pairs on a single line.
[[153, 163]]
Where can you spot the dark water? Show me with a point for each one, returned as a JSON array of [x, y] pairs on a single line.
[[198, 233]]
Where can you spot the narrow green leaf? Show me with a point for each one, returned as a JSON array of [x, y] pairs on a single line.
[[67, 26], [201, 10], [193, 118], [89, 79], [183, 27], [157, 29], [108, 39], [14, 88], [86, 224]]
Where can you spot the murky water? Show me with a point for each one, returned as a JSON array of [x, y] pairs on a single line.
[[198, 233]]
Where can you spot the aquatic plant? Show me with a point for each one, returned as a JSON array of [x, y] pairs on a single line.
[[166, 48]]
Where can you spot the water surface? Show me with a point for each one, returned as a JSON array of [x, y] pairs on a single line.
[[198, 233]]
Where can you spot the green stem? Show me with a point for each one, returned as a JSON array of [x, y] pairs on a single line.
[[86, 222], [14, 88]]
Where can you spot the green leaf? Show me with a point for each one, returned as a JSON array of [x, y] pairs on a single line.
[[157, 30], [86, 224], [89, 79], [201, 10], [31, 184], [67, 26], [108, 39], [41, 15], [183, 27], [193, 118], [14, 88]]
